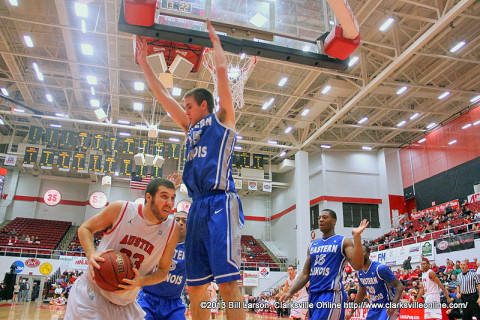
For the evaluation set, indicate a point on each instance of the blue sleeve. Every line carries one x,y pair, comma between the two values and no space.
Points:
385,273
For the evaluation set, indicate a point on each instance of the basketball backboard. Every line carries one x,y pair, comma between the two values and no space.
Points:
279,29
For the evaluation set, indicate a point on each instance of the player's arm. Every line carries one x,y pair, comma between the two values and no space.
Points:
226,114
353,250
434,278
163,266
98,222
301,281
161,92
285,289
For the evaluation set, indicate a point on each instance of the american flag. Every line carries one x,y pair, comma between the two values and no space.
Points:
140,185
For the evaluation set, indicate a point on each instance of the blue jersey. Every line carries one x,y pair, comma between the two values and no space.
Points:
326,264
376,280
209,155
172,287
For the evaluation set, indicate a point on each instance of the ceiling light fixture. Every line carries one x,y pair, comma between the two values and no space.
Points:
28,41
475,99
386,24
282,82
81,10
326,89
267,104
402,90
139,86
272,142
123,121
452,142
443,95
5,92
431,125
174,139
92,80
176,91
87,49
414,116
94,103
401,123
422,140
288,129
125,134
364,119
282,154
137,106
468,125
353,61
49,97
457,47
305,112
84,26
325,146
367,148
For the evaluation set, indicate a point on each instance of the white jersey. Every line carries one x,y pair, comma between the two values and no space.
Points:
429,287
212,291
144,243
302,294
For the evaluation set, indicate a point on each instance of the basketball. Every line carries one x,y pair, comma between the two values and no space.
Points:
116,267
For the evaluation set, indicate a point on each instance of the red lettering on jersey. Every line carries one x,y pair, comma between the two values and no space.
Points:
124,240
138,242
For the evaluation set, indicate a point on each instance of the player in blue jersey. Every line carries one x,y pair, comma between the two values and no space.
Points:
382,286
163,301
326,259
212,244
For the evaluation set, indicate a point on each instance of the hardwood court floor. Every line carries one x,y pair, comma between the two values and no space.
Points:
43,311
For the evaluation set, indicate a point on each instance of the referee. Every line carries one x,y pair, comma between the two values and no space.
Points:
467,290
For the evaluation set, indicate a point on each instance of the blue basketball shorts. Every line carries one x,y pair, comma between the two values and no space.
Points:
158,308
212,244
327,305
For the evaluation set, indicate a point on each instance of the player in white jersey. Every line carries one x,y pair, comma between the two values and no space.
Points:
431,286
298,298
213,296
145,233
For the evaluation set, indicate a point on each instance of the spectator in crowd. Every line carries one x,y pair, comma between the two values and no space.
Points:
456,269
407,264
452,284
472,266
35,291
16,291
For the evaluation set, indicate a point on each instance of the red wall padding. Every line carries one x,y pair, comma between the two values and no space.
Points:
435,155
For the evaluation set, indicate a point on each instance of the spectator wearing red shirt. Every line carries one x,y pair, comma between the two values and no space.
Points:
434,267
472,265
417,271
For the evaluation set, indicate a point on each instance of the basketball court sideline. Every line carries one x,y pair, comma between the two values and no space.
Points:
42,311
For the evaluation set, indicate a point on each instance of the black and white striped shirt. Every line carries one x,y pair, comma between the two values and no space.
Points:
468,282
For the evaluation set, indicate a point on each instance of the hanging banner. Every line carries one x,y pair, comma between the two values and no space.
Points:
238,184
474,198
439,208
455,243
264,272
250,278
267,187
10,160
30,157
252,185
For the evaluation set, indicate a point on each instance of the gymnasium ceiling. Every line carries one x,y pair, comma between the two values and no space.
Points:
413,52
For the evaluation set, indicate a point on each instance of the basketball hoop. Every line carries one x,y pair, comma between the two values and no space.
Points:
239,67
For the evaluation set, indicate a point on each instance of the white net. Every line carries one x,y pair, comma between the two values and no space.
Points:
239,67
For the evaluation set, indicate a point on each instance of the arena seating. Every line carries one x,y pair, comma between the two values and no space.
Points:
254,255
48,232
